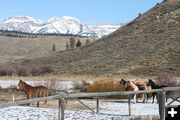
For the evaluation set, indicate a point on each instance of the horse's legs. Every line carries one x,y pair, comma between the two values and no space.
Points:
37,104
45,102
153,94
144,97
134,99
147,97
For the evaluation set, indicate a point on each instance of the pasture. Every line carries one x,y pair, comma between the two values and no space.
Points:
111,108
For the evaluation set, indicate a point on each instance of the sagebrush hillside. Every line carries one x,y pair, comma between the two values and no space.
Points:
150,44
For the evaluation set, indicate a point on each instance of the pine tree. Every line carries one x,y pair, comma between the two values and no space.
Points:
67,46
72,43
53,47
78,44
87,42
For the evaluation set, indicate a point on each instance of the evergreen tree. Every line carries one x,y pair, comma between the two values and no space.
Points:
53,47
87,42
67,46
78,44
72,43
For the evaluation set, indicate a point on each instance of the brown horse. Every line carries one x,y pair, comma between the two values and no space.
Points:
31,92
129,86
142,85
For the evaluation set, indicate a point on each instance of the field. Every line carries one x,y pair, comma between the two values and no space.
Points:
109,110
116,109
14,48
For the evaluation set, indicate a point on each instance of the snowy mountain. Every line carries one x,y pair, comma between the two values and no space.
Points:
59,25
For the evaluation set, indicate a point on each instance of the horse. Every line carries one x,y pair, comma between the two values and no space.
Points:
155,86
129,86
31,92
142,86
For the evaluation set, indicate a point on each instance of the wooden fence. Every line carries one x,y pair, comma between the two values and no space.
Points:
62,97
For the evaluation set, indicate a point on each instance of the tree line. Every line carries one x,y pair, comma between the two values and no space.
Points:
71,44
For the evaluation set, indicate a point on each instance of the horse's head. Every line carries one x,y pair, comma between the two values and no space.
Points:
123,82
20,84
149,82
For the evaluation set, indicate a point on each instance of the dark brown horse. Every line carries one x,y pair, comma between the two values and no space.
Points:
32,92
155,86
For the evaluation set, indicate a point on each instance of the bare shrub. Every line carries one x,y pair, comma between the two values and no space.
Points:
105,85
12,87
6,70
35,71
166,79
46,69
52,82
82,86
23,71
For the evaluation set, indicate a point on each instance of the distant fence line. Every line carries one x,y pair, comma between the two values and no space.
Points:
97,95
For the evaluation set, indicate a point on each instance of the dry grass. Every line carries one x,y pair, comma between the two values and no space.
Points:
20,48
105,85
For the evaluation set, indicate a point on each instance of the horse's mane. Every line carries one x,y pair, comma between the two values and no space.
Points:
27,85
154,85
133,85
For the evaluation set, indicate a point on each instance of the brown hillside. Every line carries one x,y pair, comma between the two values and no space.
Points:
148,45
14,48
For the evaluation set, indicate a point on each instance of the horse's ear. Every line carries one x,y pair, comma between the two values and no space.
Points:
21,80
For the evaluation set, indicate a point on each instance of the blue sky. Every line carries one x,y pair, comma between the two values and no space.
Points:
88,11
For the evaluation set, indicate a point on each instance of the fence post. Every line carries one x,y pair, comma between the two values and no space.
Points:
61,109
129,104
97,105
161,101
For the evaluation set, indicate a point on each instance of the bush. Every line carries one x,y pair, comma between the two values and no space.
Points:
46,69
6,70
166,79
35,71
23,71
105,85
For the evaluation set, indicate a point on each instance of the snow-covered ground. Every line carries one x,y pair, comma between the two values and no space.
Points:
116,109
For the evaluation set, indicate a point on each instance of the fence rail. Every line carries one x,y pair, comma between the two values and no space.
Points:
97,95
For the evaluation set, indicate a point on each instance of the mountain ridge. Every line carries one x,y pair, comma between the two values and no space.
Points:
57,25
